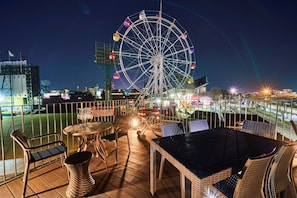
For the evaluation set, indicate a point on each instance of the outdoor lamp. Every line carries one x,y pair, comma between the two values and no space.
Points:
134,122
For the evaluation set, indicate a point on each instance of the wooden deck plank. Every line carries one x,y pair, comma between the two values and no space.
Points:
4,192
16,187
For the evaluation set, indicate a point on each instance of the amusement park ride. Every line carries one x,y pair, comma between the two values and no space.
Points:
155,55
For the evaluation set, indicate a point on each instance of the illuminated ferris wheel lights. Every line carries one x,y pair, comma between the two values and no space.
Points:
116,37
158,15
140,40
127,22
184,35
142,15
190,80
112,55
191,50
116,75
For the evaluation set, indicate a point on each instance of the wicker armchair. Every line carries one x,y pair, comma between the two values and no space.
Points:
260,128
280,176
249,183
171,129
35,150
198,125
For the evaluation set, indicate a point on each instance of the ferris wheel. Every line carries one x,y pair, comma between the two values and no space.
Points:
154,53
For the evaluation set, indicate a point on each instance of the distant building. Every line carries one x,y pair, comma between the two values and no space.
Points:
118,94
191,92
284,91
62,96
200,84
19,83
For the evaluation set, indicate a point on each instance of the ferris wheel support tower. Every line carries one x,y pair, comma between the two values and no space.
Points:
102,58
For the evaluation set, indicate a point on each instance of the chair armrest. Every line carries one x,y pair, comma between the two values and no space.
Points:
43,140
122,128
44,135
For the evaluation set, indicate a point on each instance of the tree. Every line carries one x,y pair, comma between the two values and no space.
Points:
215,93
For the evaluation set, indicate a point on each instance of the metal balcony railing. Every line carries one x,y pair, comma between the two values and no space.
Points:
55,117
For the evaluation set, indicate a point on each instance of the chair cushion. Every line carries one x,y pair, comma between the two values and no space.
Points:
227,185
43,154
111,137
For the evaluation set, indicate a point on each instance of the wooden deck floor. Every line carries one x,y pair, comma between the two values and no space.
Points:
129,178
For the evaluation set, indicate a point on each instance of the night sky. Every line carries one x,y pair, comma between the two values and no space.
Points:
243,43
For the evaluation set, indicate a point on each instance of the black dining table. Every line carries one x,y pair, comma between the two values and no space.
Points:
206,157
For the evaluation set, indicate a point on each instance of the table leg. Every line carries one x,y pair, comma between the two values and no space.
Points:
100,149
83,143
195,192
182,184
153,169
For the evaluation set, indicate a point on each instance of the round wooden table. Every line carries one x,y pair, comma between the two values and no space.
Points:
90,132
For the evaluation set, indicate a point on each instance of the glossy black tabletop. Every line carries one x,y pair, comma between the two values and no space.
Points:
208,152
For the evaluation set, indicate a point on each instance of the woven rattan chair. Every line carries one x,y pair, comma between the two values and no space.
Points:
198,125
260,128
171,129
35,150
280,176
120,129
249,183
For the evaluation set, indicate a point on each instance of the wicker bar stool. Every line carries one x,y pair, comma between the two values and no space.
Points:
81,182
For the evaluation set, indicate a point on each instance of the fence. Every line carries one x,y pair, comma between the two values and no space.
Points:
55,117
